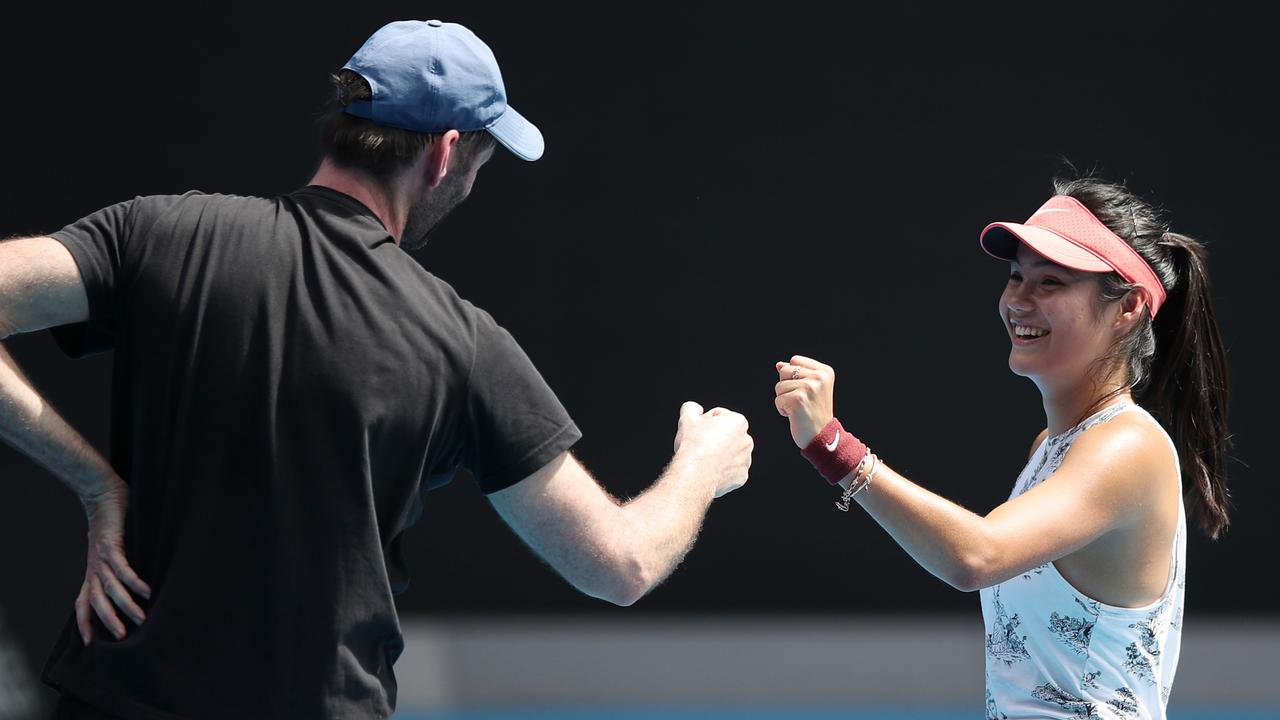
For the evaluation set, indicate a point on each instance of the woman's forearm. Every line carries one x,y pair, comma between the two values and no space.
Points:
946,539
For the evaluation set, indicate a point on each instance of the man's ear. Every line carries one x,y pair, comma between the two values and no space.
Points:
438,155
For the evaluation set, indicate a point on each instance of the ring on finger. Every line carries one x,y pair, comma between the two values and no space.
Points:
795,374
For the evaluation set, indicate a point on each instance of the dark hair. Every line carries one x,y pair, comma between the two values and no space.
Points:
381,151
1176,364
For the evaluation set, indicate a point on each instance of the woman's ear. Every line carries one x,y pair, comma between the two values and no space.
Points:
1133,306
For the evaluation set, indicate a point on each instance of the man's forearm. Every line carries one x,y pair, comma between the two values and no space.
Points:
618,551
663,523
32,426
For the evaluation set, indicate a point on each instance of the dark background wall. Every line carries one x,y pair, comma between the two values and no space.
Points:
723,186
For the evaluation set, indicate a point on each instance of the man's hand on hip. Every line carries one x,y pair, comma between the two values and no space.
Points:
108,578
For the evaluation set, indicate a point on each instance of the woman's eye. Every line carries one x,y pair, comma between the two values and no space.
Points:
1015,277
1051,281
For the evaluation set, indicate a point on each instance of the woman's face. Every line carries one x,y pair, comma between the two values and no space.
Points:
1051,313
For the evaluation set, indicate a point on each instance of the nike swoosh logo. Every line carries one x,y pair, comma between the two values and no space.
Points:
1049,210
834,443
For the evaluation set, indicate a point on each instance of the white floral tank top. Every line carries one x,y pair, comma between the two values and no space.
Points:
1052,652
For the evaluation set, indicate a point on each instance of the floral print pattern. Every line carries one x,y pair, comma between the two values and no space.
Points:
1053,652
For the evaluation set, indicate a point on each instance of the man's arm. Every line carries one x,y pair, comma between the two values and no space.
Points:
40,287
620,551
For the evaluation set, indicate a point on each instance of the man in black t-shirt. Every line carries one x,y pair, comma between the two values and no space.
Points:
287,385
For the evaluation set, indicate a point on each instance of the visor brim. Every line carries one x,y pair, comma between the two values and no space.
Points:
1000,240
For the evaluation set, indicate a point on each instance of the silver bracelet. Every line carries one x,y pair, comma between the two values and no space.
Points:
872,474
858,483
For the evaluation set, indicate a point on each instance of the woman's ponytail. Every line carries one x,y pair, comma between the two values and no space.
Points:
1188,385
1176,364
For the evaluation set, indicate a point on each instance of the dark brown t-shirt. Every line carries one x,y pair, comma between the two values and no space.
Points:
288,383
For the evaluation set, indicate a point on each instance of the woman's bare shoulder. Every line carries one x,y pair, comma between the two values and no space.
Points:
1130,451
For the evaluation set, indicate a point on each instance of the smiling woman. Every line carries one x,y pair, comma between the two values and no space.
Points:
1082,570
1176,367
1043,297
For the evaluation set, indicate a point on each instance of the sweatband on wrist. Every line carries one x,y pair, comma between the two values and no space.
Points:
834,453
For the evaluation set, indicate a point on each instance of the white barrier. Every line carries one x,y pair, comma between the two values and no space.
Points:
486,662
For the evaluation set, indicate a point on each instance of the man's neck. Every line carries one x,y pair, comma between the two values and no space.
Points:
372,195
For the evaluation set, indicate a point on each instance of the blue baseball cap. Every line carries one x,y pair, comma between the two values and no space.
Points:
432,76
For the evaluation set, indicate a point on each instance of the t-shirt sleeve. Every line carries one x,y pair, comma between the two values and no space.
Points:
515,425
97,243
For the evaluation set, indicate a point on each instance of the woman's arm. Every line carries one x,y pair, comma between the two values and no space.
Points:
1104,483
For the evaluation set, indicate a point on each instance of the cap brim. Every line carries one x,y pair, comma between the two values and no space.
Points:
1001,240
518,135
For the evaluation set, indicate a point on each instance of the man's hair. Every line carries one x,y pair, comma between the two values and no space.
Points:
380,151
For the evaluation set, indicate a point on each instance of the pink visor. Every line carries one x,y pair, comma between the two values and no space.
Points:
1065,232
